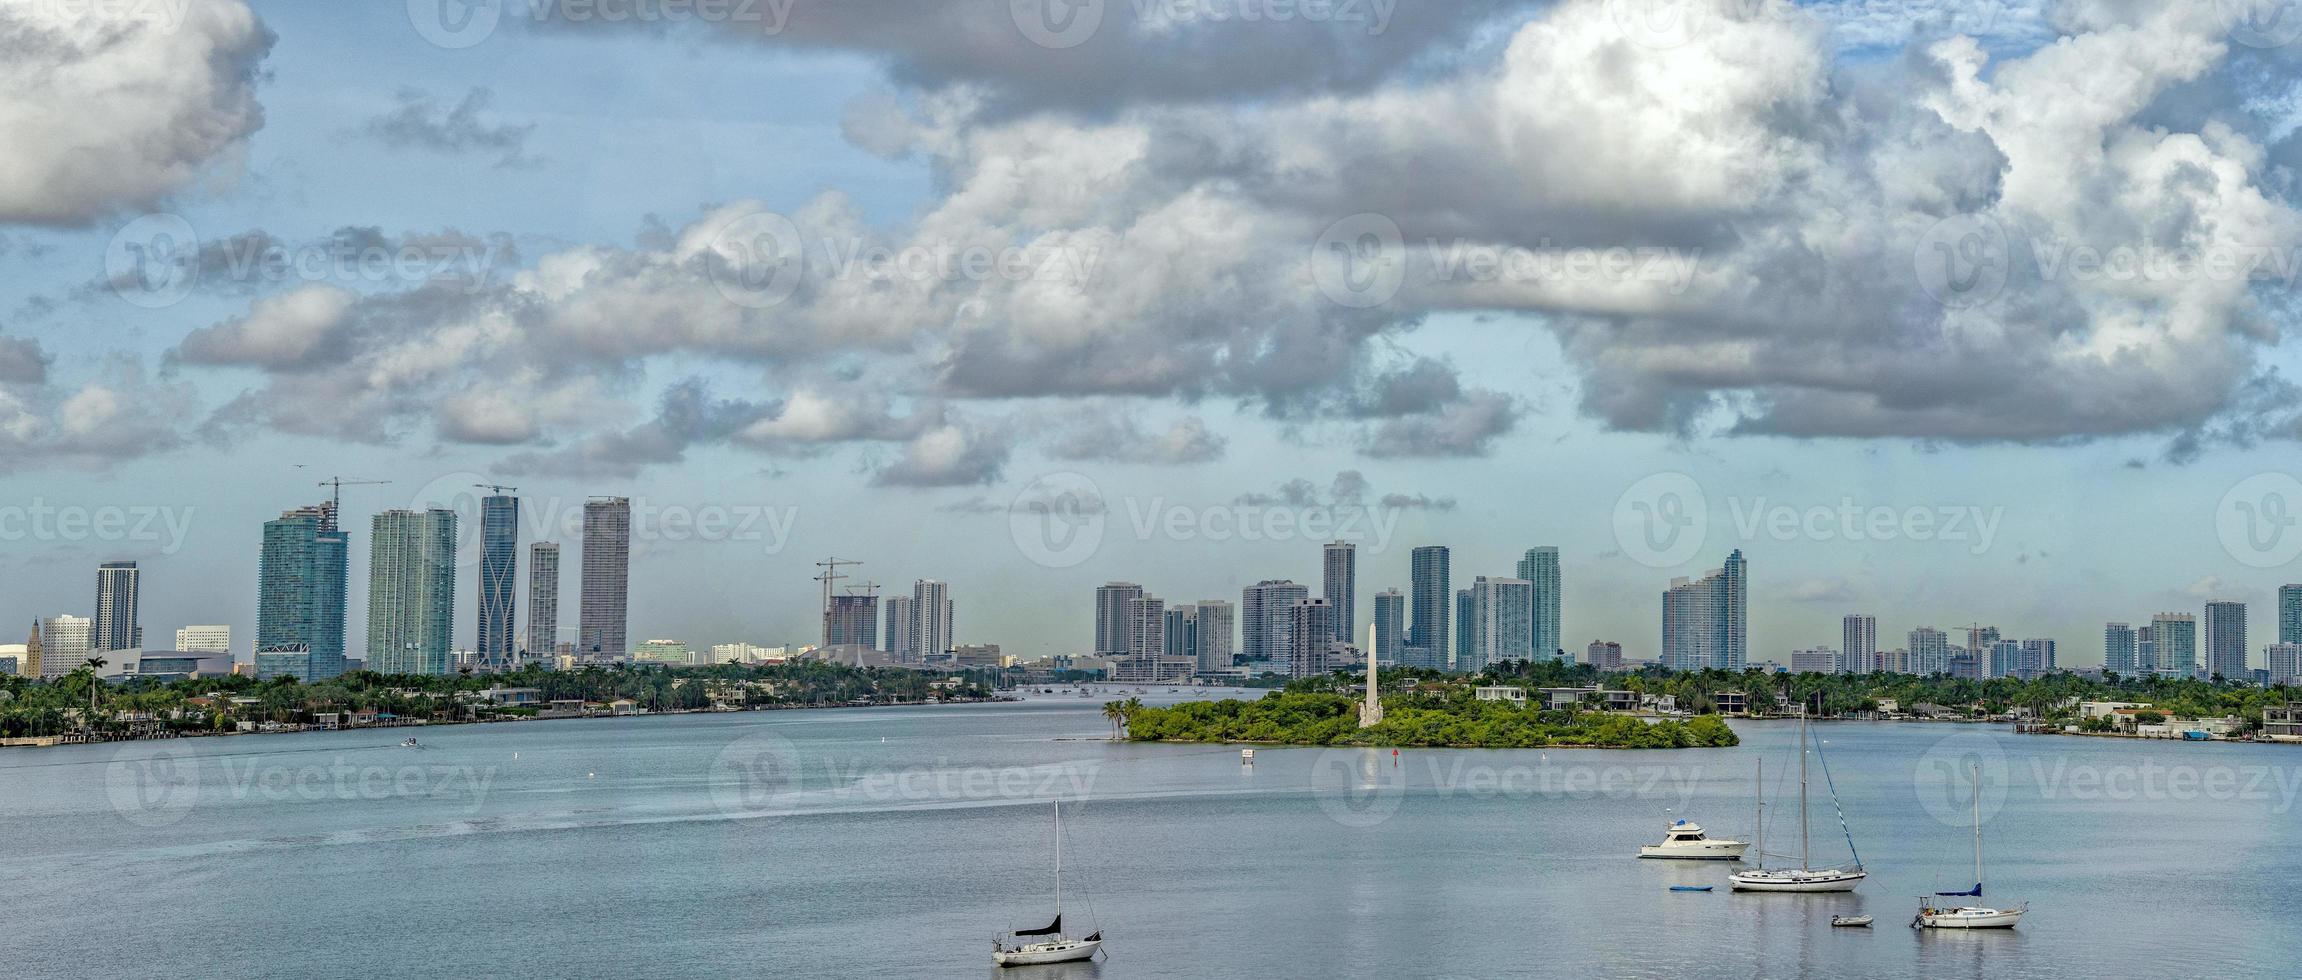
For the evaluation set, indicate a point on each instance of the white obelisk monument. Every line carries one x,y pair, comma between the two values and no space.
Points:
1371,710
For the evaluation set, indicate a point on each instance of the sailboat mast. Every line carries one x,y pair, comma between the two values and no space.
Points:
1977,769
1803,841
1760,796
1058,860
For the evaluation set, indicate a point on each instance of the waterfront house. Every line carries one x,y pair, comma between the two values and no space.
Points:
1518,694
1735,703
2283,723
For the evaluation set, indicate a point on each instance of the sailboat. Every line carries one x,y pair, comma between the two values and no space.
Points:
1806,877
1056,947
1931,916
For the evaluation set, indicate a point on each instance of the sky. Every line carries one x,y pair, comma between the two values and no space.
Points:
1942,312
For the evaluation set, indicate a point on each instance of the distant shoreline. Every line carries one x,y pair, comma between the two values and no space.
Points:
54,741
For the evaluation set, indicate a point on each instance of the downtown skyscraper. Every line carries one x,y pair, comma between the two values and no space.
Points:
1706,620
2226,640
1339,585
931,637
2290,614
901,630
1429,599
1858,643
603,619
117,586
411,591
499,579
543,599
1540,568
1263,622
1218,622
1111,599
300,590
1390,626
1498,629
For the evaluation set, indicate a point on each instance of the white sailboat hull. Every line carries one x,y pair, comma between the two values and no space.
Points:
1794,880
1701,850
1055,951
1974,918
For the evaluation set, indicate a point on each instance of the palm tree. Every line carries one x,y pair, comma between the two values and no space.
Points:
93,664
1114,713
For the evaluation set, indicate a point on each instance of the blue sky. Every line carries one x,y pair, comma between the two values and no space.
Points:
1802,158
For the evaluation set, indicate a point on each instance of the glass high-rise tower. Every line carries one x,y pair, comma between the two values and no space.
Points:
543,598
499,578
117,583
411,591
1540,568
2226,640
1429,595
1339,584
300,589
601,622
1390,626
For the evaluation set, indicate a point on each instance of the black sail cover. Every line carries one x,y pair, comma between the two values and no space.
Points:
1052,928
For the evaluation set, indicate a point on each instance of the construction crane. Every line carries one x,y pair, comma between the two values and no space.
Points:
336,502
498,489
831,575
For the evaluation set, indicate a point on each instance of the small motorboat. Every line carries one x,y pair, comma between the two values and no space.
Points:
1849,921
1684,841
1690,888
410,744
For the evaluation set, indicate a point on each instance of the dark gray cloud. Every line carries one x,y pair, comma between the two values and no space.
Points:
22,361
419,122
686,416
